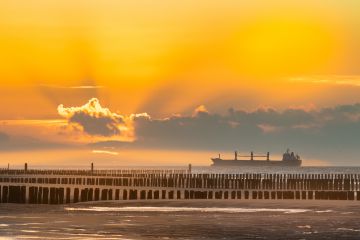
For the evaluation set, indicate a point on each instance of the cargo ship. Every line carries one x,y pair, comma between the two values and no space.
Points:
289,159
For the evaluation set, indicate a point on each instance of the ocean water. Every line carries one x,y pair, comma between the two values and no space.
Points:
194,219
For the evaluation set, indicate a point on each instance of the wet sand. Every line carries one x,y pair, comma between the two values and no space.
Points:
183,220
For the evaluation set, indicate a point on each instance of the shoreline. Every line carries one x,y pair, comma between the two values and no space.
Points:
210,203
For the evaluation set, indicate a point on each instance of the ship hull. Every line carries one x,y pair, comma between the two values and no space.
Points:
259,163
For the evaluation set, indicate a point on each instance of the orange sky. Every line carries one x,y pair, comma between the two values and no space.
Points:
208,49
168,57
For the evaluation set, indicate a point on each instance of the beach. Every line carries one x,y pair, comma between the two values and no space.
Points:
196,219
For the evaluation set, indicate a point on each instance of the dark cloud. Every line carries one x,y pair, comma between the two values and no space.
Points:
328,133
93,118
23,143
331,134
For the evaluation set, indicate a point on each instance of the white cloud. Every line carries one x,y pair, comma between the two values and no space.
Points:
105,152
93,118
200,109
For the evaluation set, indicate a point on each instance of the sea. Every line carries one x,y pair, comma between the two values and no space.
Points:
190,219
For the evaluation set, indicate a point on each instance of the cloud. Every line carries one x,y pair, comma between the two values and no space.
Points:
200,110
329,133
72,87
94,119
21,143
105,152
325,133
66,94
346,80
268,128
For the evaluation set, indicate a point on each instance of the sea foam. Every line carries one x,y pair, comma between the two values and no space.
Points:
186,209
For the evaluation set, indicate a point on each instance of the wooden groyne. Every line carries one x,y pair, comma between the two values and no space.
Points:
72,186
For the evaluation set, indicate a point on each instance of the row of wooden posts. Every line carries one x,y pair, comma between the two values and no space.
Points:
199,181
72,186
66,195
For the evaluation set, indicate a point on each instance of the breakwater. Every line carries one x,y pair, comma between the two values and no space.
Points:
72,186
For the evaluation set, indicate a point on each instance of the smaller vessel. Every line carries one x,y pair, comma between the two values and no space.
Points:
289,160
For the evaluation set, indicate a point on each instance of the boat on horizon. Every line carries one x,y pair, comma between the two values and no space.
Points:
289,159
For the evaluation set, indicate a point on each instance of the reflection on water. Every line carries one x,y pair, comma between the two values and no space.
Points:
188,209
182,220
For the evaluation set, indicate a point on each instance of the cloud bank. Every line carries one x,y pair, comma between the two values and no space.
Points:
326,133
331,133
22,143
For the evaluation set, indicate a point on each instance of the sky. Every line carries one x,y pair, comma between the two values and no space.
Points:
133,82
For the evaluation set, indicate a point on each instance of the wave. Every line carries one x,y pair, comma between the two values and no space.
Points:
348,229
304,226
186,209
